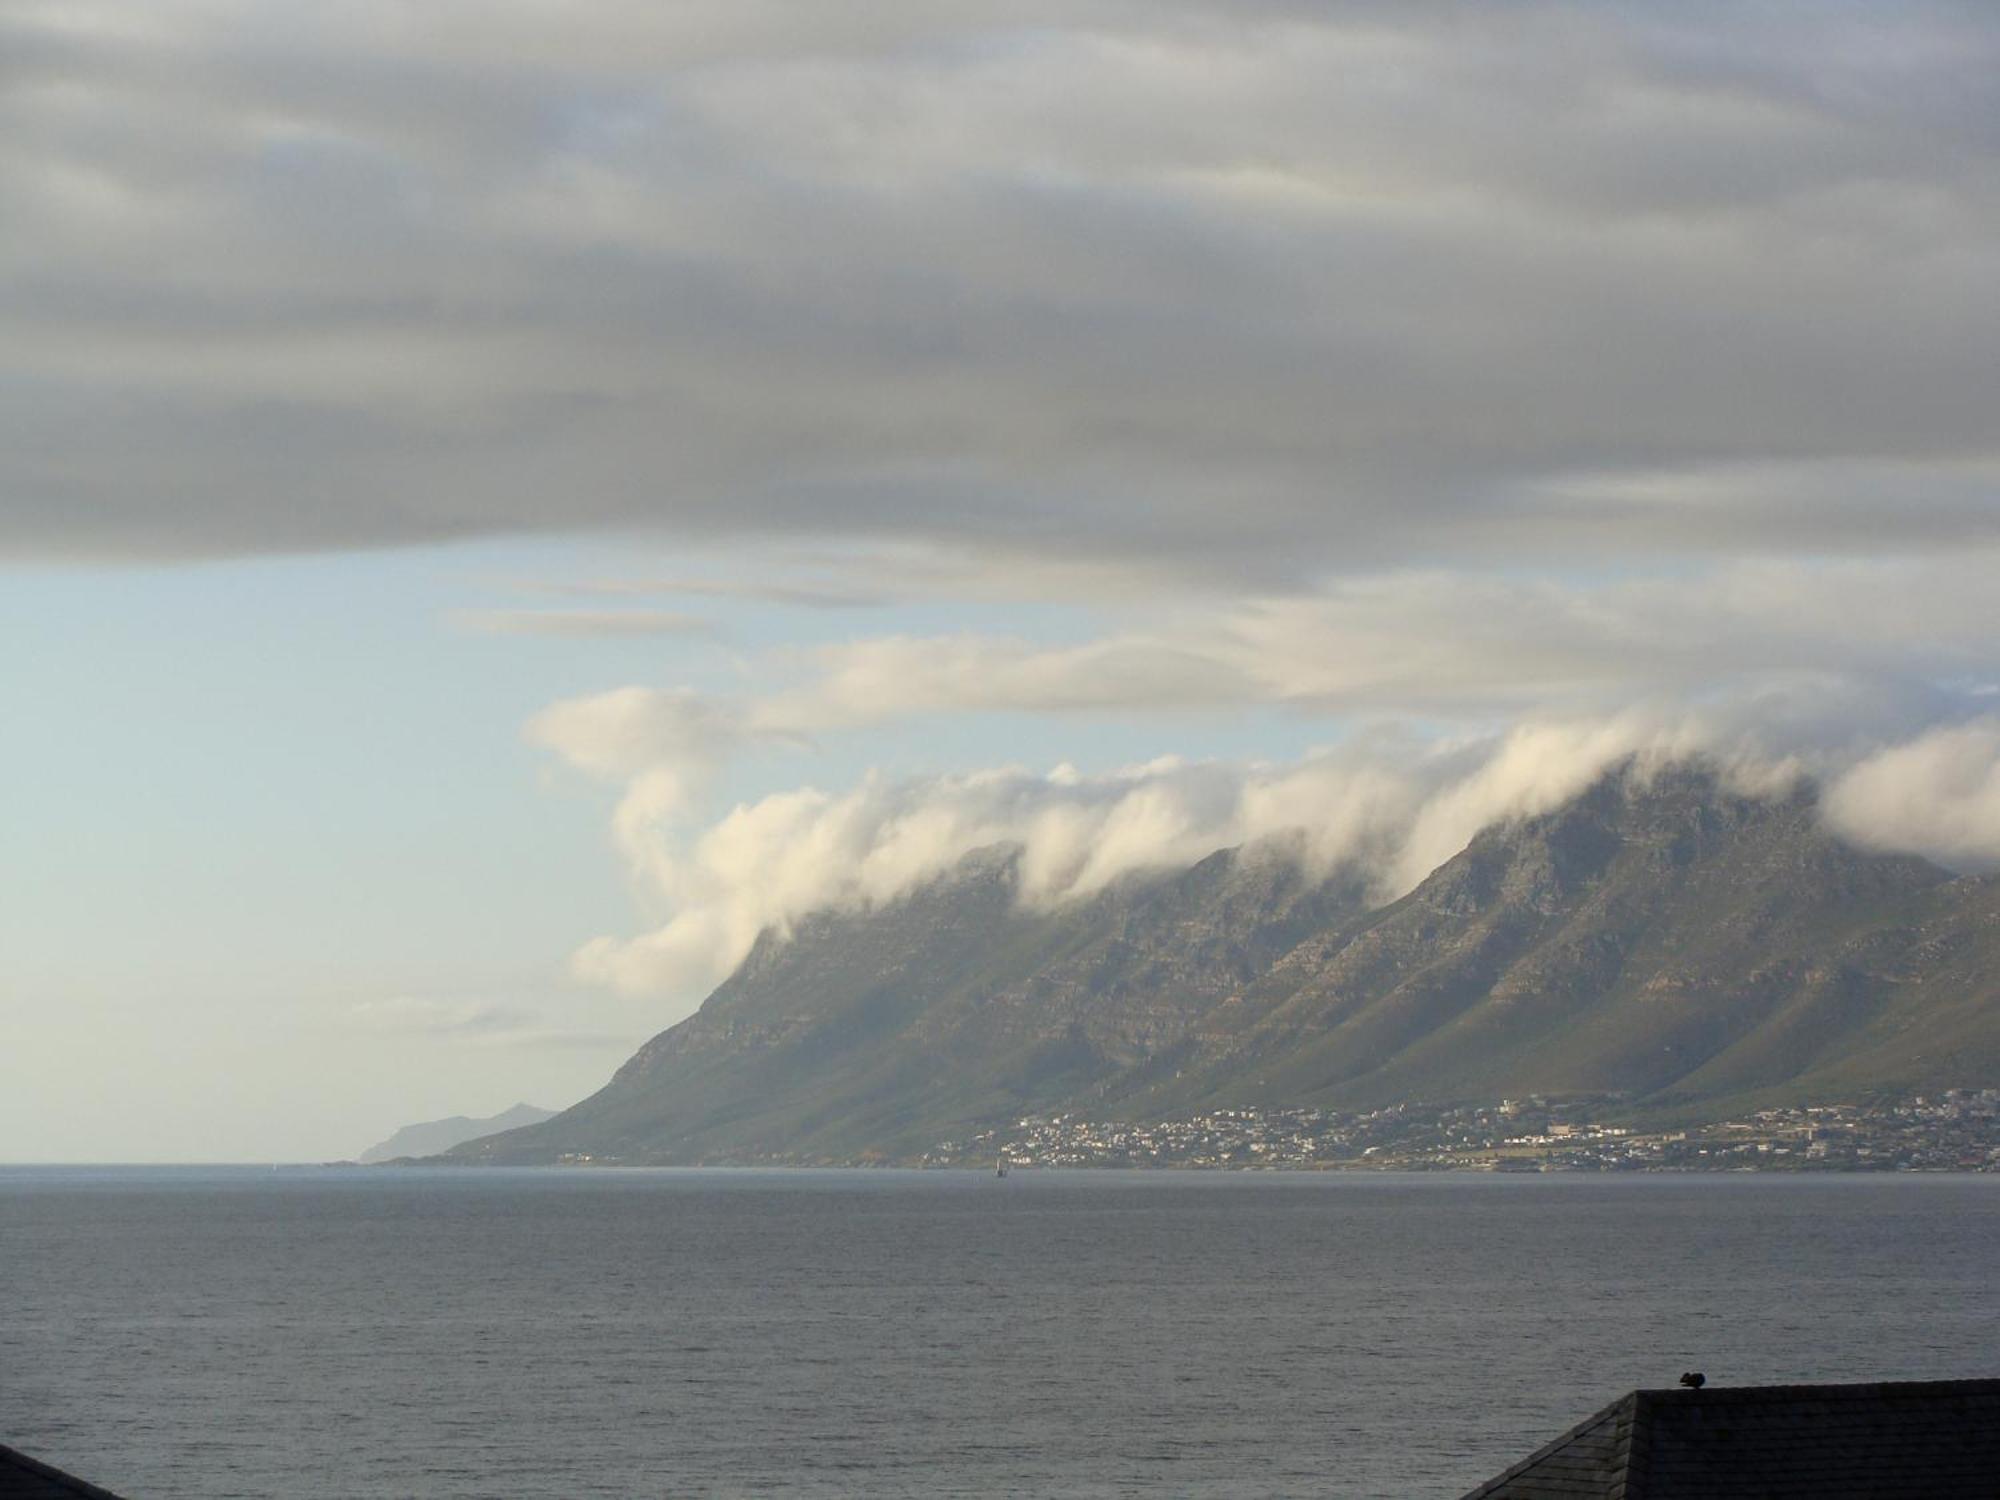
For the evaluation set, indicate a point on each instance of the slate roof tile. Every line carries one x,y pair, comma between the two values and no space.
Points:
1913,1440
25,1478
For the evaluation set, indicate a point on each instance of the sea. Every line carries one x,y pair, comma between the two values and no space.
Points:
322,1332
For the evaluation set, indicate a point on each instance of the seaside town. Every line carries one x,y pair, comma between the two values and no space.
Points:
1958,1131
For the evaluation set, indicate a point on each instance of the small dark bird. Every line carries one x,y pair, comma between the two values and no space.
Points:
1694,1380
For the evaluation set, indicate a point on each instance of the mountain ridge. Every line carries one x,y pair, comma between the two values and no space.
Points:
431,1137
1659,938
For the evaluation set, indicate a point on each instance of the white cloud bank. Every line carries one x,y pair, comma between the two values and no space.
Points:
1388,803
1872,677
1938,794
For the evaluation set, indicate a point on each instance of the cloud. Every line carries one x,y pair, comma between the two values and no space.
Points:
632,730
1938,795
666,746
760,591
1453,645
1457,642
1769,669
473,1023
1257,293
1390,805
767,863
583,623
891,677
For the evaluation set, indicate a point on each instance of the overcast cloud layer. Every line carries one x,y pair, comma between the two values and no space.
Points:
1252,290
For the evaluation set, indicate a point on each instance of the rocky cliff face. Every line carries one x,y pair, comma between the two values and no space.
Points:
1658,938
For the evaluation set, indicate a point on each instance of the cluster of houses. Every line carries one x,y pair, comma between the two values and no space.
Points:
1958,1130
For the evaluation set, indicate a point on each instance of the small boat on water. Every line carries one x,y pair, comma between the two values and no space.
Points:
1000,1170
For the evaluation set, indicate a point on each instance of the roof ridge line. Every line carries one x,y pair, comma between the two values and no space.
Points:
1561,1441
1836,1390
15,1458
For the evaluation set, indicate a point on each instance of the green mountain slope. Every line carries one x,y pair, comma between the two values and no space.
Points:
1665,941
1660,939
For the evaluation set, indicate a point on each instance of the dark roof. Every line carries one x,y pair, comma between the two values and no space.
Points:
25,1478
1911,1440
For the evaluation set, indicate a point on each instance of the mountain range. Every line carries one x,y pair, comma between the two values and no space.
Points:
1679,947
434,1136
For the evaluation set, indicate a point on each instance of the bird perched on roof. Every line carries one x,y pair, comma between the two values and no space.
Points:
1694,1380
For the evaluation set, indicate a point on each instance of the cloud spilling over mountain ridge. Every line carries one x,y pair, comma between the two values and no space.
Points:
1393,804
1657,939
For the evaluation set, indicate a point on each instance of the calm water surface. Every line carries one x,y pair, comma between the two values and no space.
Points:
220,1332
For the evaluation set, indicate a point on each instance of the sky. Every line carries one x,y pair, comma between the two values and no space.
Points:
500,503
